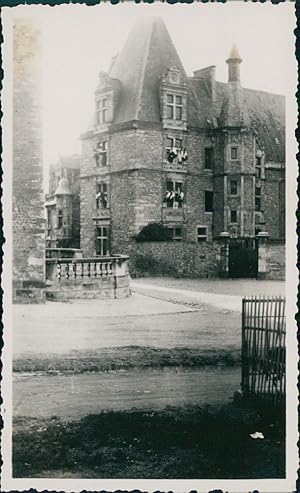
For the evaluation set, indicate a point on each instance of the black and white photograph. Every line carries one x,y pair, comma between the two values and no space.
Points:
149,277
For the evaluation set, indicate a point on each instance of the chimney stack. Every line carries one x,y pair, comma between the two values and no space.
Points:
234,62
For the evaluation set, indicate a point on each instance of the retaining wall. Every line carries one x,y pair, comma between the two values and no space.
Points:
178,259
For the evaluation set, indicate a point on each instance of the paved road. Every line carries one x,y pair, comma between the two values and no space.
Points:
75,396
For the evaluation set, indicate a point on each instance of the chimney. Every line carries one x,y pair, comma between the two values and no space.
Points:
234,62
208,74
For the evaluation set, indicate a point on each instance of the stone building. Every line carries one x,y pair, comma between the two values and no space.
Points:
200,156
63,204
27,178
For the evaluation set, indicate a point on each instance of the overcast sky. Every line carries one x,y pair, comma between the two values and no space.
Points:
79,41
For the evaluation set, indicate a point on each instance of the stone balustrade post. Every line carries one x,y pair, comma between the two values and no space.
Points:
262,239
223,240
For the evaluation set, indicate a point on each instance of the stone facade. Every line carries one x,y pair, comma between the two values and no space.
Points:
28,201
176,259
189,152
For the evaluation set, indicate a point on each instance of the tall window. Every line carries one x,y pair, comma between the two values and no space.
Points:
208,158
101,196
174,194
48,222
209,201
174,107
257,198
233,216
233,187
258,167
102,240
101,154
60,218
101,109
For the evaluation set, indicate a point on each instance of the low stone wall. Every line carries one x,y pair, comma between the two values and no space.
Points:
28,292
275,260
94,278
176,259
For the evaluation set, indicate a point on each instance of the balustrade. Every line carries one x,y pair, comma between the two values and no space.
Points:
84,268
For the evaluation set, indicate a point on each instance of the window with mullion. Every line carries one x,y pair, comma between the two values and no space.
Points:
175,191
174,107
101,106
102,240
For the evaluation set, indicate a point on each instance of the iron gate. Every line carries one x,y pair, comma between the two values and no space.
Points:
263,348
243,257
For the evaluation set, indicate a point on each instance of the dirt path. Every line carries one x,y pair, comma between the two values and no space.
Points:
225,287
230,303
75,396
205,328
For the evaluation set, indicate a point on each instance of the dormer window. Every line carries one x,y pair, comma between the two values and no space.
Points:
102,110
174,107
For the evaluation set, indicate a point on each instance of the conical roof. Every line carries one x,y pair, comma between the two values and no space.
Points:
234,53
148,53
63,187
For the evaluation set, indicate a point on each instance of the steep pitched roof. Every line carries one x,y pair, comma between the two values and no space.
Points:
147,54
266,113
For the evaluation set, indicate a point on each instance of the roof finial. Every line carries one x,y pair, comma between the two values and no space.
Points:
234,53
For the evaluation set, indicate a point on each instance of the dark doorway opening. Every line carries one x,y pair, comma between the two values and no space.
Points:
243,257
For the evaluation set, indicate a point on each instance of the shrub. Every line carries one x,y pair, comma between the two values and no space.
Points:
154,232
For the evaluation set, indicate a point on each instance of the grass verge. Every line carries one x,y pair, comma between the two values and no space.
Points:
126,358
175,443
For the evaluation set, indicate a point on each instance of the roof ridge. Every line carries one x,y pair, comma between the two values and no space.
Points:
142,73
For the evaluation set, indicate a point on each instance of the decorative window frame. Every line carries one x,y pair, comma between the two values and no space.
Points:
174,86
230,188
101,110
237,147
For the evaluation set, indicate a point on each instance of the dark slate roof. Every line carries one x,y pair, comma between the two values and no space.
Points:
266,113
148,53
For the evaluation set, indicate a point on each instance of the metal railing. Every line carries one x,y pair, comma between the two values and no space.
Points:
263,348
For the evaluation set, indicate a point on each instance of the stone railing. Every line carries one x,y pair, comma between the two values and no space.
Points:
96,277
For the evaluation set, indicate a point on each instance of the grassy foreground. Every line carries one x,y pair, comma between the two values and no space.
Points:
174,443
127,357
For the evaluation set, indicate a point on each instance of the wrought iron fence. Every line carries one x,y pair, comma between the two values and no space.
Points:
263,348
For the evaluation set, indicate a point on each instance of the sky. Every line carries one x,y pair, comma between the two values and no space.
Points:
79,41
